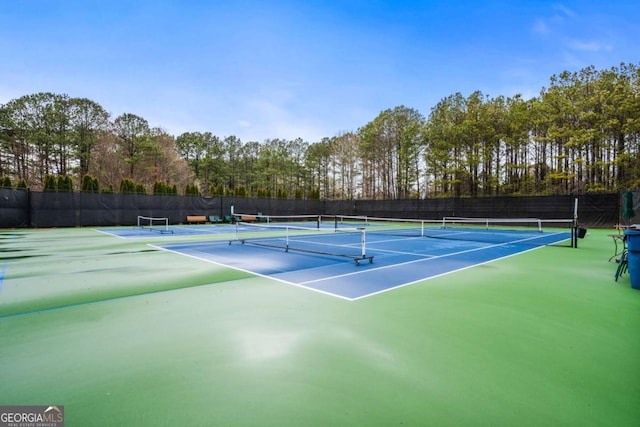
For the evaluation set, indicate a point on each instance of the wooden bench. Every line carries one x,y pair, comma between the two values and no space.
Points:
248,218
196,219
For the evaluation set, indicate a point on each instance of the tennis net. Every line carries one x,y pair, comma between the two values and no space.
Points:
530,231
160,225
343,243
306,220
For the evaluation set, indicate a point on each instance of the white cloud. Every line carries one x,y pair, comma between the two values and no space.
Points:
275,119
540,26
552,23
589,46
565,10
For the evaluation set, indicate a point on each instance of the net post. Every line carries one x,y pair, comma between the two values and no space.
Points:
287,239
574,230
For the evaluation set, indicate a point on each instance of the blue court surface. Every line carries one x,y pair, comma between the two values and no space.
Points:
353,265
133,232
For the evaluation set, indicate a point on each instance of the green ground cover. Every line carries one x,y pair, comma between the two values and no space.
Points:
123,334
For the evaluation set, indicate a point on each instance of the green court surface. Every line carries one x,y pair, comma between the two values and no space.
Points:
121,333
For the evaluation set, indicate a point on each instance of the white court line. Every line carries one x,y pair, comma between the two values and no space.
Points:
302,284
424,259
252,272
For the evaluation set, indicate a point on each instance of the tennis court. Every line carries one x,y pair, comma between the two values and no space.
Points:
339,260
164,329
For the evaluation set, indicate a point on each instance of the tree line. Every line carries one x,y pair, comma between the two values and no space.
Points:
580,135
47,135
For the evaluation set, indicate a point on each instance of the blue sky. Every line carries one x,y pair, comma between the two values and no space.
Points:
300,68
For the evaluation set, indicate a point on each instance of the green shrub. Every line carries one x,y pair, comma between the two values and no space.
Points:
160,187
191,190
216,190
65,183
89,184
127,186
50,183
